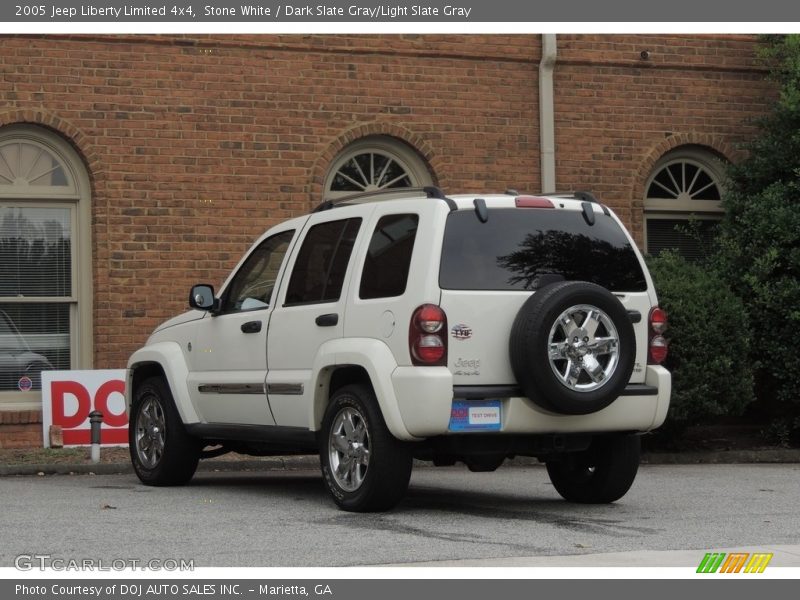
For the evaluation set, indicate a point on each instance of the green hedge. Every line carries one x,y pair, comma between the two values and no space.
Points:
759,243
709,342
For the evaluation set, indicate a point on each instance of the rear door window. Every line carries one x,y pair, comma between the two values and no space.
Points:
321,265
524,249
388,259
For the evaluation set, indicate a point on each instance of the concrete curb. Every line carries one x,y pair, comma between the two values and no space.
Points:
290,463
783,556
311,462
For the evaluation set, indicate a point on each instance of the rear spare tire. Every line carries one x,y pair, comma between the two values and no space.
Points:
572,347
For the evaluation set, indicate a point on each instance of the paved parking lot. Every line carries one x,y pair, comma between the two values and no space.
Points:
284,518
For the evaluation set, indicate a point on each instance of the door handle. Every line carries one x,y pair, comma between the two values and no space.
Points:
328,320
251,327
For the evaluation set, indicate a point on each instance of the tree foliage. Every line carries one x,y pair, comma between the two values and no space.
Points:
759,242
709,342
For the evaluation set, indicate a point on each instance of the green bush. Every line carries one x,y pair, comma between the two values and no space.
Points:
709,342
760,253
759,242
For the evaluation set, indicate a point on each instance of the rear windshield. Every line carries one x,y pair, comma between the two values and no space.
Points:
524,249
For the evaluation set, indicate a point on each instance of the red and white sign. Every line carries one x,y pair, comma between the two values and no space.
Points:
69,396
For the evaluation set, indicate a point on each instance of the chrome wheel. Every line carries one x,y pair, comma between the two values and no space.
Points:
349,449
150,433
583,348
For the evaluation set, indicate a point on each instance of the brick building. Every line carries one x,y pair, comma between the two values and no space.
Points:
132,167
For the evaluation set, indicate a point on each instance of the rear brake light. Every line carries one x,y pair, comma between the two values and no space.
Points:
533,202
427,336
658,346
658,320
430,318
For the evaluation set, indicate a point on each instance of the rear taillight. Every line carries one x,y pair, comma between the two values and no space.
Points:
658,346
427,336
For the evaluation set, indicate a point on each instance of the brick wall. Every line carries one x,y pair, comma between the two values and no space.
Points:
197,144
617,113
20,429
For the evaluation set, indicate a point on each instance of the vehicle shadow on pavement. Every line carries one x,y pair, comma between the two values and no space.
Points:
264,479
276,485
436,501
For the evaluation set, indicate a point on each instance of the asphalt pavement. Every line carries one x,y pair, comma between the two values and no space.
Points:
283,518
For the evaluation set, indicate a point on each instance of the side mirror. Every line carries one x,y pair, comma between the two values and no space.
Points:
202,297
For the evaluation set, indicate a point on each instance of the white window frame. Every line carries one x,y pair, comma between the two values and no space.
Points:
77,197
403,154
683,207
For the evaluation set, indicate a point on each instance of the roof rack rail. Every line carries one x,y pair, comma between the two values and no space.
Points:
577,194
429,191
581,195
585,196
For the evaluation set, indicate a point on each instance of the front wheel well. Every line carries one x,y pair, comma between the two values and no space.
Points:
145,371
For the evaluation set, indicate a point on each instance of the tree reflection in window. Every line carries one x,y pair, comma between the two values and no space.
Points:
524,249
575,257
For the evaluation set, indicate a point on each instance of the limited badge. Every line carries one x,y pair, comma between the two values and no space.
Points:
461,331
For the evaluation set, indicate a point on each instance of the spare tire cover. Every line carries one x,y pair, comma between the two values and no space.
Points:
572,347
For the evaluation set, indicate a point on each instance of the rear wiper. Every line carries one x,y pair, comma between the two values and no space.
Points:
480,209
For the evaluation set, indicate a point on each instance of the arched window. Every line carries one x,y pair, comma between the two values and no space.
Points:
45,254
685,186
375,163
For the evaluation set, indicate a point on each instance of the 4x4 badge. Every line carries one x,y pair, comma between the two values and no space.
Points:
461,331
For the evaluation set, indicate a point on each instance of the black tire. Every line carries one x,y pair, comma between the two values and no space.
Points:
601,474
530,348
382,482
155,424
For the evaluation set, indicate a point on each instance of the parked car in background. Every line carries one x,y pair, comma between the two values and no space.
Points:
20,367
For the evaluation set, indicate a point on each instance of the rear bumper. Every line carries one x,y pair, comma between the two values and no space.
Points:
480,392
425,398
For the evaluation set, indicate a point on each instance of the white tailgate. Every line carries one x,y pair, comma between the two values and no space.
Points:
480,322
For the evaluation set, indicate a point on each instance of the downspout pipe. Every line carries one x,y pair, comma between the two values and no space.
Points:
547,128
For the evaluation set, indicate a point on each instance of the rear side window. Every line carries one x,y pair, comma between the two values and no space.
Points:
388,258
318,274
523,249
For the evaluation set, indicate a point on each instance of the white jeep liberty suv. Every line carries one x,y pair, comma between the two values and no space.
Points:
407,324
